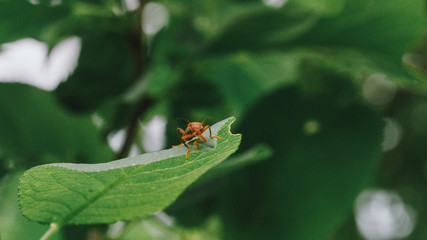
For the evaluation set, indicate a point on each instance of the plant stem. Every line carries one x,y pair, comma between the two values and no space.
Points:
54,227
139,49
144,104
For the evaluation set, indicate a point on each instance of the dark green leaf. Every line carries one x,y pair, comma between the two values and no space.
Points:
33,125
21,19
105,68
326,146
262,29
244,78
389,27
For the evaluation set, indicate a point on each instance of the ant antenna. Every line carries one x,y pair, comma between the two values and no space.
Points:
205,119
184,119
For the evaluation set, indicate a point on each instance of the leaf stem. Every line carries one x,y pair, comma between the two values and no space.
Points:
54,227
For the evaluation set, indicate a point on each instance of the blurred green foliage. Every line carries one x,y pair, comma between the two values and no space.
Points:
294,76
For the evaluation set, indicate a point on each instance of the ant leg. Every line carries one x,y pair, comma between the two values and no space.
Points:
210,133
179,130
188,148
195,144
199,141
175,146
188,151
203,139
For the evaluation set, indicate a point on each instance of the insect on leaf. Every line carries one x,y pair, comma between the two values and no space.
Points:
119,190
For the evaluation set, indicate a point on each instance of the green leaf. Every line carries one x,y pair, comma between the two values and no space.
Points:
326,145
388,27
360,64
239,74
368,36
119,190
261,29
34,126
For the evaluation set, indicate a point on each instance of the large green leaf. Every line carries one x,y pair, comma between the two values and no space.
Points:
33,126
119,190
326,145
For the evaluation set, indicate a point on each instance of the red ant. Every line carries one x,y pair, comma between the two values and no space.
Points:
194,129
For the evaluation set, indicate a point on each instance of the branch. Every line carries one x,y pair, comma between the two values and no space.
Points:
144,104
139,48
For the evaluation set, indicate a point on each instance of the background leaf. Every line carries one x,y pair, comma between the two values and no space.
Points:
261,29
326,146
21,19
385,27
98,76
237,76
34,126
119,190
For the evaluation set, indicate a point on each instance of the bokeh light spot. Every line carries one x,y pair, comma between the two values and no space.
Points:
382,215
311,126
154,17
154,134
378,90
275,3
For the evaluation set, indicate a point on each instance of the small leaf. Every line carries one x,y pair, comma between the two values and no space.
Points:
119,190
